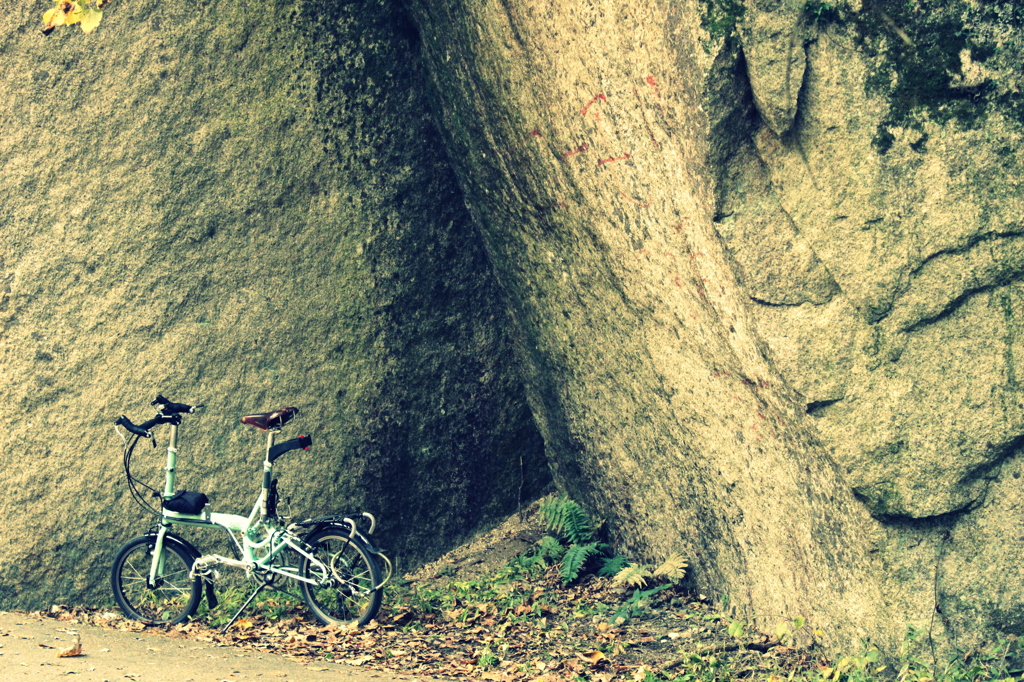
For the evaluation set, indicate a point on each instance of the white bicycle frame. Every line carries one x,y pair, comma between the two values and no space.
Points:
274,540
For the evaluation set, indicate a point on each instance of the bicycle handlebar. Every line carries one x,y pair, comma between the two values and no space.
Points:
141,431
170,413
167,407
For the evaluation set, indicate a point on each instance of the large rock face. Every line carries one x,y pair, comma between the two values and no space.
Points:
248,210
721,230
864,162
886,275
873,204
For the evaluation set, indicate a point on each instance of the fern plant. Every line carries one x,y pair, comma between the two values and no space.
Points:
566,518
577,536
550,548
611,566
576,558
669,572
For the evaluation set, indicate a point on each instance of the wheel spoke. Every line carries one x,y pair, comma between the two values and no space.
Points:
175,595
346,593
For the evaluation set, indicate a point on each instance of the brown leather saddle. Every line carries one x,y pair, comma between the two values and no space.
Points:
271,420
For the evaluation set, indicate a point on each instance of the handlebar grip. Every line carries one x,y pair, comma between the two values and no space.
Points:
167,407
140,431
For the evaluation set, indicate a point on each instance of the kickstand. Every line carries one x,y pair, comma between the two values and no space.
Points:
263,586
248,601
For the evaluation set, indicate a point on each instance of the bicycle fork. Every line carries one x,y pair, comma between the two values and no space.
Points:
156,567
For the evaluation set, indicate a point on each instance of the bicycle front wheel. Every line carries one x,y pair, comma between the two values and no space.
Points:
346,579
171,598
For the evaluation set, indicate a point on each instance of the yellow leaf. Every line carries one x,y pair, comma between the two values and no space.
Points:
593,657
90,20
73,12
53,17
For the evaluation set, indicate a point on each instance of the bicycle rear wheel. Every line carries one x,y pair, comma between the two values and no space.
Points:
347,593
171,599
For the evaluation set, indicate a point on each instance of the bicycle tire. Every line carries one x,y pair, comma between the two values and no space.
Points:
174,597
349,594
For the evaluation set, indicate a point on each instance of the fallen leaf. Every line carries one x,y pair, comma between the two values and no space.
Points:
641,673
74,650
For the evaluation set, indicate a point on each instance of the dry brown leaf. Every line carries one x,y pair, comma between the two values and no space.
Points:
640,673
74,650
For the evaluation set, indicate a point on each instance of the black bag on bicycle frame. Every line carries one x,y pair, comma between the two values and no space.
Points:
186,502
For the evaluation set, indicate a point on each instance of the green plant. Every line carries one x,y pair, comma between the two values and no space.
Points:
786,630
670,572
576,557
576,544
487,658
859,668
985,664
567,519
550,549
612,566
635,605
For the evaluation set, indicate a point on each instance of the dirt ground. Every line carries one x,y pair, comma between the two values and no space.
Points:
30,644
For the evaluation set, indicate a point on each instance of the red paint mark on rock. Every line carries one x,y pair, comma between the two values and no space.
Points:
634,200
598,97
614,159
573,152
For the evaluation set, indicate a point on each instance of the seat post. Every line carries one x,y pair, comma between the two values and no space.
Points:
268,466
172,462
